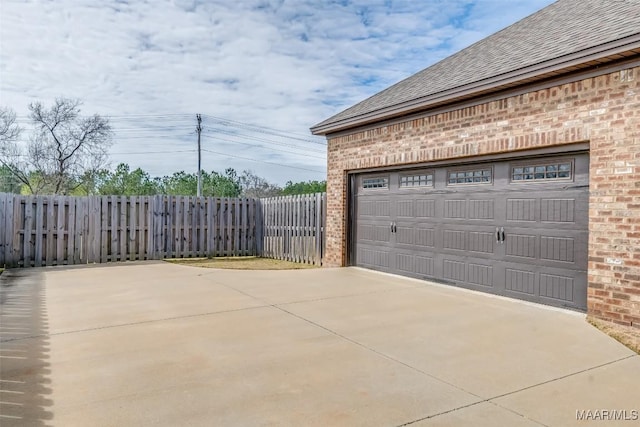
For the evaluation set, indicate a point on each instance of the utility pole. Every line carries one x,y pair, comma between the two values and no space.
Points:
199,130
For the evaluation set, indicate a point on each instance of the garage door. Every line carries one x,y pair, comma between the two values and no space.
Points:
516,228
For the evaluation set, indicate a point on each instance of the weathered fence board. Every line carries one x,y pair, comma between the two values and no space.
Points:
292,228
60,230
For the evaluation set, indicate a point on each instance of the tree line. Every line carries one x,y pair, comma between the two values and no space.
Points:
66,153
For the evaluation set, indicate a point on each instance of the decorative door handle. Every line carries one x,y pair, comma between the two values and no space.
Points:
501,235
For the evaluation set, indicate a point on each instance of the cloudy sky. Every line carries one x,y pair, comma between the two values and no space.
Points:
260,72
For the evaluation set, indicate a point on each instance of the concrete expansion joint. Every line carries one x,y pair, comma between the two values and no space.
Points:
357,294
572,374
141,322
378,353
352,341
469,406
491,399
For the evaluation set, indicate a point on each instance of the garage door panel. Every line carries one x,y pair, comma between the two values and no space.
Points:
557,248
557,287
519,209
425,208
454,270
557,210
481,209
520,280
405,235
421,265
373,257
545,247
522,245
481,241
374,233
420,235
455,209
425,236
405,208
454,239
374,208
472,275
551,285
481,274
521,231
425,265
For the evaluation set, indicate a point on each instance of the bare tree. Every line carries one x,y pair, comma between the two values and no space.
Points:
9,129
9,134
63,147
256,186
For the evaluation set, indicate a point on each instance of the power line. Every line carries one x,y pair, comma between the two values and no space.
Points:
262,161
262,129
184,117
154,152
223,120
262,146
251,125
171,137
150,129
269,141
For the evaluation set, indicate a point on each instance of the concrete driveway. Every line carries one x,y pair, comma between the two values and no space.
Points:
161,344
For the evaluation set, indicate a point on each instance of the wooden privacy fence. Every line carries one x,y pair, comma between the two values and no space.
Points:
293,227
61,230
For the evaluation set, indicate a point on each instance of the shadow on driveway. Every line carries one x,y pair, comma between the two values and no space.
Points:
24,350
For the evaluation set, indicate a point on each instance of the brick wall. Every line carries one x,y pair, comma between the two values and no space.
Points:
604,110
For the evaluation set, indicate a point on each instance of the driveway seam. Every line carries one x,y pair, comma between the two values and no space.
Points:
141,322
565,376
469,406
375,351
383,355
340,296
491,399
278,307
390,358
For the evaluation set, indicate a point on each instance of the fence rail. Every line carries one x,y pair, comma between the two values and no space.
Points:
60,230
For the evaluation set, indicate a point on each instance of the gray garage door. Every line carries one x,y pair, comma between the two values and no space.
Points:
516,228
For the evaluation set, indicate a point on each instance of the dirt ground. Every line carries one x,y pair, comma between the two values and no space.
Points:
627,335
241,263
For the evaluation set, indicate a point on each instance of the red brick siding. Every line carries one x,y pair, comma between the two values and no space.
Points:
604,110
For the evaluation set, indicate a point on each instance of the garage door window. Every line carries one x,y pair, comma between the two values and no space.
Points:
476,176
541,172
377,182
418,180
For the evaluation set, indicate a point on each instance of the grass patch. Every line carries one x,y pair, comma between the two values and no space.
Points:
627,335
241,263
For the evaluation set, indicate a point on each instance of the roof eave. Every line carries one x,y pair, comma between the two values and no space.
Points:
578,60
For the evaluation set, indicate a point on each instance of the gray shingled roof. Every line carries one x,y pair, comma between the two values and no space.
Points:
562,28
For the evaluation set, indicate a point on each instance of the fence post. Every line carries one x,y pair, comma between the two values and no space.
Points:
3,227
71,232
104,229
259,227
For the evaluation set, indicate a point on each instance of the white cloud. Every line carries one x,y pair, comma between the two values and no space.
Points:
281,64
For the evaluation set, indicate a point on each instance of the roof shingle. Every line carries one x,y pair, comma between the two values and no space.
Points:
562,28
